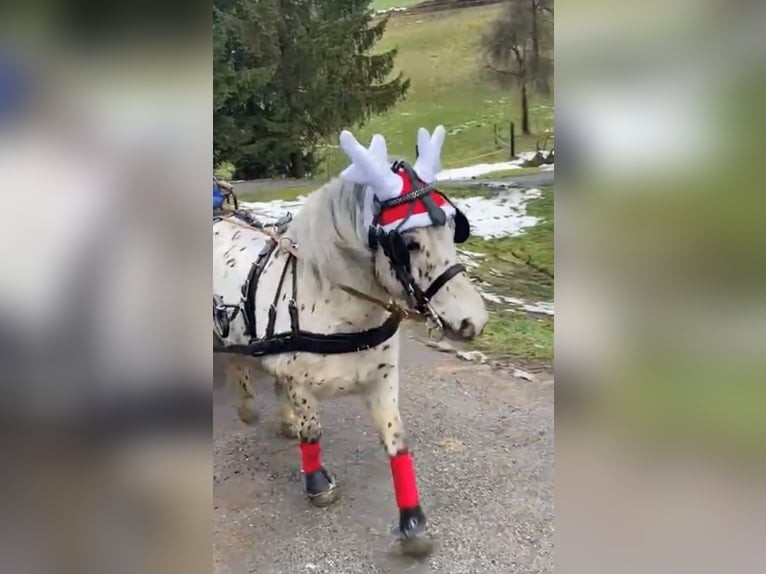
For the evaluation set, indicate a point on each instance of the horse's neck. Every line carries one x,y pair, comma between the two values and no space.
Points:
331,309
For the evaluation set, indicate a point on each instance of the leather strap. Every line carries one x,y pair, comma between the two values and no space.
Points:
439,282
327,344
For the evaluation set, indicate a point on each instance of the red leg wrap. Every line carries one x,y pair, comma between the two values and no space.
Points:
403,473
310,459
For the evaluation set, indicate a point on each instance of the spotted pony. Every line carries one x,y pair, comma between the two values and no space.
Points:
320,308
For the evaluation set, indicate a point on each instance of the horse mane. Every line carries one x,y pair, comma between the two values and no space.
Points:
331,236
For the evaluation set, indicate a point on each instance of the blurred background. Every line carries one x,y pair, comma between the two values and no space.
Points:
661,324
105,158
105,403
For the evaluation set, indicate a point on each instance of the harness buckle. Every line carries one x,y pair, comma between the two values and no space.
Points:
287,244
434,325
292,308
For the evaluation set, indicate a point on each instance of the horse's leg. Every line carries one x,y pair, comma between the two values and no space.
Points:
288,419
320,485
382,397
238,374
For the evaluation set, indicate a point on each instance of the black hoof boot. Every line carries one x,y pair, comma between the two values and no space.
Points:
320,487
412,532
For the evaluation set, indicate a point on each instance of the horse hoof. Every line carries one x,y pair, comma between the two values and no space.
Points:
418,546
325,498
287,430
247,415
414,538
321,488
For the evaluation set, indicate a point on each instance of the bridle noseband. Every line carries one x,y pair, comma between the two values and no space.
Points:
394,247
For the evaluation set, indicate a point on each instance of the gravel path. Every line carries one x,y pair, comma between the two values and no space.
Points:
483,447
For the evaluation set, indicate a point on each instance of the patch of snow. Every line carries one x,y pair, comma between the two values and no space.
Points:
542,307
520,374
472,356
476,170
499,216
468,258
472,254
270,211
491,297
390,10
502,215
472,171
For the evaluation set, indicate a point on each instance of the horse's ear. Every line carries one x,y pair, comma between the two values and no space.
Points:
428,163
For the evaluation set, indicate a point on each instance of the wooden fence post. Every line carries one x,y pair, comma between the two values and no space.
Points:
513,142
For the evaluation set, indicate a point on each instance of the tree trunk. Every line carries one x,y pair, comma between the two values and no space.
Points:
524,108
539,78
298,165
535,42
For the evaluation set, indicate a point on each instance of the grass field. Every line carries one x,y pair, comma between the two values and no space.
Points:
385,4
511,173
440,53
512,333
285,193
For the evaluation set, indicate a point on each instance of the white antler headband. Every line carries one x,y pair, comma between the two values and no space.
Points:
370,166
428,163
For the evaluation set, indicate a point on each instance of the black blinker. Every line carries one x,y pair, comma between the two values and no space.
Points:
399,252
372,237
394,247
462,227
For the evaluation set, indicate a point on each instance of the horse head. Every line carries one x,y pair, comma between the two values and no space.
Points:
413,229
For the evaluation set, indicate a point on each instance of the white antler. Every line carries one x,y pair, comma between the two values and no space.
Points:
428,163
370,166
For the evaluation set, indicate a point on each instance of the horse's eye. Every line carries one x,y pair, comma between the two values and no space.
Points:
413,246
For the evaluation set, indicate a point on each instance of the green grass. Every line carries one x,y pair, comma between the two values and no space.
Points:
519,337
440,53
511,173
385,4
514,333
512,275
285,193
224,171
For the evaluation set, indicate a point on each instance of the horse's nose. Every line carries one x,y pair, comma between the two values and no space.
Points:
467,329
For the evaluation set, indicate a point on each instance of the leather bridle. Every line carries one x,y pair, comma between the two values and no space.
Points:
395,249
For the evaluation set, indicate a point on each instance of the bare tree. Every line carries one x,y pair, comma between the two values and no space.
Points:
517,46
541,29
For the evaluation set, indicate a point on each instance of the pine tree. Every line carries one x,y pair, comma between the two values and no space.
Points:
289,73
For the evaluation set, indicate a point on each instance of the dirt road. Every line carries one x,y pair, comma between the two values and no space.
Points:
483,448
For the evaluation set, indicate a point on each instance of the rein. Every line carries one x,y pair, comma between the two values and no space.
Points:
391,306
